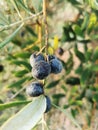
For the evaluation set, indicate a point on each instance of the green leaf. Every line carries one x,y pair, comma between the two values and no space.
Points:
73,80
95,97
85,21
52,84
30,30
60,95
17,42
74,2
18,83
23,55
89,54
85,76
94,4
3,18
7,40
28,117
79,69
95,55
78,30
79,54
20,73
37,4
20,2
24,63
12,104
68,34
94,68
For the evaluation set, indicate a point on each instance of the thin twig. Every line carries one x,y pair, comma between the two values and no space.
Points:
46,25
17,93
21,21
41,50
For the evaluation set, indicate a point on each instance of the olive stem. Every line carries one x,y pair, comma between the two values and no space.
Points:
45,24
41,50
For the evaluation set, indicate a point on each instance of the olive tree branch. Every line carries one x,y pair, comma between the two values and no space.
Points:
45,23
21,21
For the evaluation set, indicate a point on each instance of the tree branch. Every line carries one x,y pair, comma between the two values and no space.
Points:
21,21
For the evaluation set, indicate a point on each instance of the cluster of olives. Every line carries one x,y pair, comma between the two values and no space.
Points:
41,68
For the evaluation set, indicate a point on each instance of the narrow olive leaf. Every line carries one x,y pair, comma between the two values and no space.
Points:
18,83
78,30
8,39
21,62
52,84
60,95
37,4
89,54
86,73
21,73
31,31
69,115
20,2
12,104
79,54
85,21
95,54
23,55
28,117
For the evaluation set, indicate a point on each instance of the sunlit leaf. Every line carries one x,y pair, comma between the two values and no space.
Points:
94,68
28,117
78,31
94,4
50,50
56,42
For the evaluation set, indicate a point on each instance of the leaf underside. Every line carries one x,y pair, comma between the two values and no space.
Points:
28,117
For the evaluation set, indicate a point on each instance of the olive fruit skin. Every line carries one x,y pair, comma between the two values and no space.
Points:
41,70
60,51
35,89
48,104
51,57
35,58
55,63
56,66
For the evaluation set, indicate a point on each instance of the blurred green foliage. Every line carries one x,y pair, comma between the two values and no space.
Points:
19,35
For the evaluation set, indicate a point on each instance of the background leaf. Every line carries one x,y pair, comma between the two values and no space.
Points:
7,40
12,104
